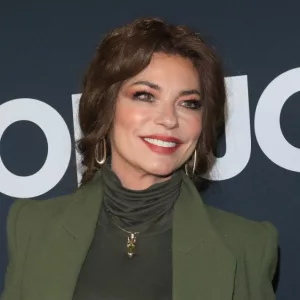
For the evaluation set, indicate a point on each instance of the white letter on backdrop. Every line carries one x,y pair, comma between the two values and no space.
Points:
237,131
59,147
267,120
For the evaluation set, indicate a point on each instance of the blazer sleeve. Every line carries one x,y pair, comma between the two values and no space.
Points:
269,262
17,239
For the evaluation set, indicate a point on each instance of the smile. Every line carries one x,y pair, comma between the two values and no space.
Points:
160,143
164,145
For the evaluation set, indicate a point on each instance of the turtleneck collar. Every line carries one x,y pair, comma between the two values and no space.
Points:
139,208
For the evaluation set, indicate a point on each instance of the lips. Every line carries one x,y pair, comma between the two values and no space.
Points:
162,144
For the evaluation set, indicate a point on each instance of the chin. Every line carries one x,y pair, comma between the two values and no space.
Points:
161,171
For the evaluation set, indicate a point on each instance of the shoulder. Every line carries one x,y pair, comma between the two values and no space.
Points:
256,243
239,227
236,229
33,210
27,215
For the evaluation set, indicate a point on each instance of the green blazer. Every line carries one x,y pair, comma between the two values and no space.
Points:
216,255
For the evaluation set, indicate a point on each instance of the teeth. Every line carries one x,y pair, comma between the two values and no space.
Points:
160,143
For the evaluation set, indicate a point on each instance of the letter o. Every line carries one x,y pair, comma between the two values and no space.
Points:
59,147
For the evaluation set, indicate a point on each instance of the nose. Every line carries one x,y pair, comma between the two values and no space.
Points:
167,117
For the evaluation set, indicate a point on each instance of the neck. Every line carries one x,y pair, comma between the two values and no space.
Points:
134,178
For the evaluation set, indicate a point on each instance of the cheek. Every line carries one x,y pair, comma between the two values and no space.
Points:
128,117
193,126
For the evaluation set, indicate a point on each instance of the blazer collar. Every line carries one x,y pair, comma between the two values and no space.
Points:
81,217
203,266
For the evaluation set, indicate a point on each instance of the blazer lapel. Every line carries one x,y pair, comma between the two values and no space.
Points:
203,267
59,258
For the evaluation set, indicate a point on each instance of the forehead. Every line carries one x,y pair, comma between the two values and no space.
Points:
169,71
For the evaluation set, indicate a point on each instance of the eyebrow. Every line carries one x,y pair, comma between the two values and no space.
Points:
158,88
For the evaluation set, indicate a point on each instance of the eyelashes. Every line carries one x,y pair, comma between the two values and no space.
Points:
145,96
192,104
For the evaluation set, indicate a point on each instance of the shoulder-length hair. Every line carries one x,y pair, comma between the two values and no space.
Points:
122,54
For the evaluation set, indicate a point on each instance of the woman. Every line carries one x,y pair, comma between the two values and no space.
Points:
152,103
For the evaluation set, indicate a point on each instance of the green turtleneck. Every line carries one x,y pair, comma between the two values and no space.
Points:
108,273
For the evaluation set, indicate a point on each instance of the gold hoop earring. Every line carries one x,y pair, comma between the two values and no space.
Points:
103,152
194,165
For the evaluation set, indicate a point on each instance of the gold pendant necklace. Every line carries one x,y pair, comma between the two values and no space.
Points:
131,239
131,245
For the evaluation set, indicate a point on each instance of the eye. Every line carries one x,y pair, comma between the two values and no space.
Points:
192,104
143,96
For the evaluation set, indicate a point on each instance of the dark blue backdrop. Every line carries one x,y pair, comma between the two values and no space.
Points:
45,48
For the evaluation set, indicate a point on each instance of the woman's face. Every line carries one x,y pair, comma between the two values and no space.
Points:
158,118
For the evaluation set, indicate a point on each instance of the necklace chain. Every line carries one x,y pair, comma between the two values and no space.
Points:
124,230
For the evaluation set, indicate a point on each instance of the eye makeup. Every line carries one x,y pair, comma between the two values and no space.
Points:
192,104
143,96
146,96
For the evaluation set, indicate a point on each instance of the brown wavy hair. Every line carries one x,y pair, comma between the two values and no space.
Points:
122,54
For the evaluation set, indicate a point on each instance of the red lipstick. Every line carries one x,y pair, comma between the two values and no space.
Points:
160,149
